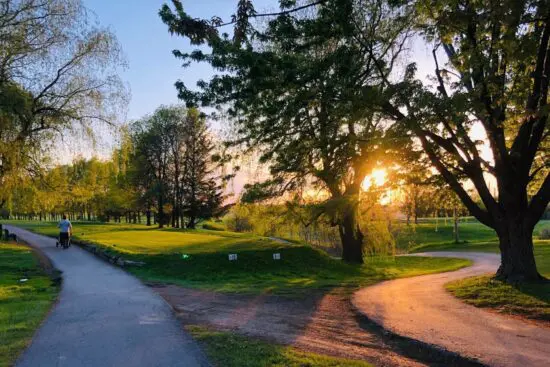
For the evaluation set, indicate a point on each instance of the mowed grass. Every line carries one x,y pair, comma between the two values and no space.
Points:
23,305
199,259
230,350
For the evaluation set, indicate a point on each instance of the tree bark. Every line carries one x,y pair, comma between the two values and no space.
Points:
352,239
516,252
455,227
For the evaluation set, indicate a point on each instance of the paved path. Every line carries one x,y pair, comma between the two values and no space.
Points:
105,317
421,309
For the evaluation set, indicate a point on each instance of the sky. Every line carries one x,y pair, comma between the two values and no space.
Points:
152,69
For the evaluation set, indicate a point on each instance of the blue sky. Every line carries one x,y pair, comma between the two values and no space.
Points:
152,69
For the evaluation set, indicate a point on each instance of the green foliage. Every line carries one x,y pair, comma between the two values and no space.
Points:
301,90
23,306
175,165
57,72
231,350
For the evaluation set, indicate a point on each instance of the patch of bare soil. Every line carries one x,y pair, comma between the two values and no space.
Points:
321,323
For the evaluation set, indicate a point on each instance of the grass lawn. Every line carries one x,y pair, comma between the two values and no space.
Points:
206,265
23,305
231,350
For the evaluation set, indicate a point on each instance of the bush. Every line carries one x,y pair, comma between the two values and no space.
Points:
213,226
545,234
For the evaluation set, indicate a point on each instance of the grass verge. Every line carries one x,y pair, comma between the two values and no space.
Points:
231,350
23,305
527,300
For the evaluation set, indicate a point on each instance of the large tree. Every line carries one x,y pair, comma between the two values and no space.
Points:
201,190
57,71
300,89
492,61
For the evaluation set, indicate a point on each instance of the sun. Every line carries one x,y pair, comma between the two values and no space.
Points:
377,178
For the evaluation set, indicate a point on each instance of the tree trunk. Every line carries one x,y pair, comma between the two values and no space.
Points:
517,260
455,228
191,224
352,239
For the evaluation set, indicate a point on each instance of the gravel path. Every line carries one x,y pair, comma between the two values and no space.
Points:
105,317
420,308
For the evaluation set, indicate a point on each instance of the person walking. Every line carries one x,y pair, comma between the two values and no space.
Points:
65,230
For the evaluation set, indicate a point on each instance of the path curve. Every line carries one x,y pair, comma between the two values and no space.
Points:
104,317
420,308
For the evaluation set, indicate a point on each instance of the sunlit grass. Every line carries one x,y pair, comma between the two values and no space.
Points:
231,350
23,305
162,242
423,236
207,265
529,300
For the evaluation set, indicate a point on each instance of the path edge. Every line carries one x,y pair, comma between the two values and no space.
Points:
57,278
414,348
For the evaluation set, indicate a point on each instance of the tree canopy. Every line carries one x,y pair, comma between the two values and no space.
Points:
304,84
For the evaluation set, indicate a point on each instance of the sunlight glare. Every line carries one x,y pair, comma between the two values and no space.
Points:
377,178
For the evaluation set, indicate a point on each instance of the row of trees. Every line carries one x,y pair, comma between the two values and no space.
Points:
325,91
164,169
176,167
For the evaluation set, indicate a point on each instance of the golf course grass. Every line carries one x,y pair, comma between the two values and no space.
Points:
199,259
23,304
232,350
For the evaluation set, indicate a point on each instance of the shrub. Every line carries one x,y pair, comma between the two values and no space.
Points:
213,226
545,234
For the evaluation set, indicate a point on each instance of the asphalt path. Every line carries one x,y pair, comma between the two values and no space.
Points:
421,308
104,317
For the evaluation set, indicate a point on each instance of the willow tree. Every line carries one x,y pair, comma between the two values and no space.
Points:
492,61
300,89
57,71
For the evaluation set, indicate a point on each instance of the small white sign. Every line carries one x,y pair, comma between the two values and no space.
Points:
277,256
232,257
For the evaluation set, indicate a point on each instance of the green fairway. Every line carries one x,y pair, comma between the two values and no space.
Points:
23,305
474,236
207,266
230,350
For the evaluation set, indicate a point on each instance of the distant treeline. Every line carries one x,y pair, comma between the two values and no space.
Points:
164,172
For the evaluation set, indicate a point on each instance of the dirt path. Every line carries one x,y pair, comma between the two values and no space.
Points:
420,308
323,323
104,317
